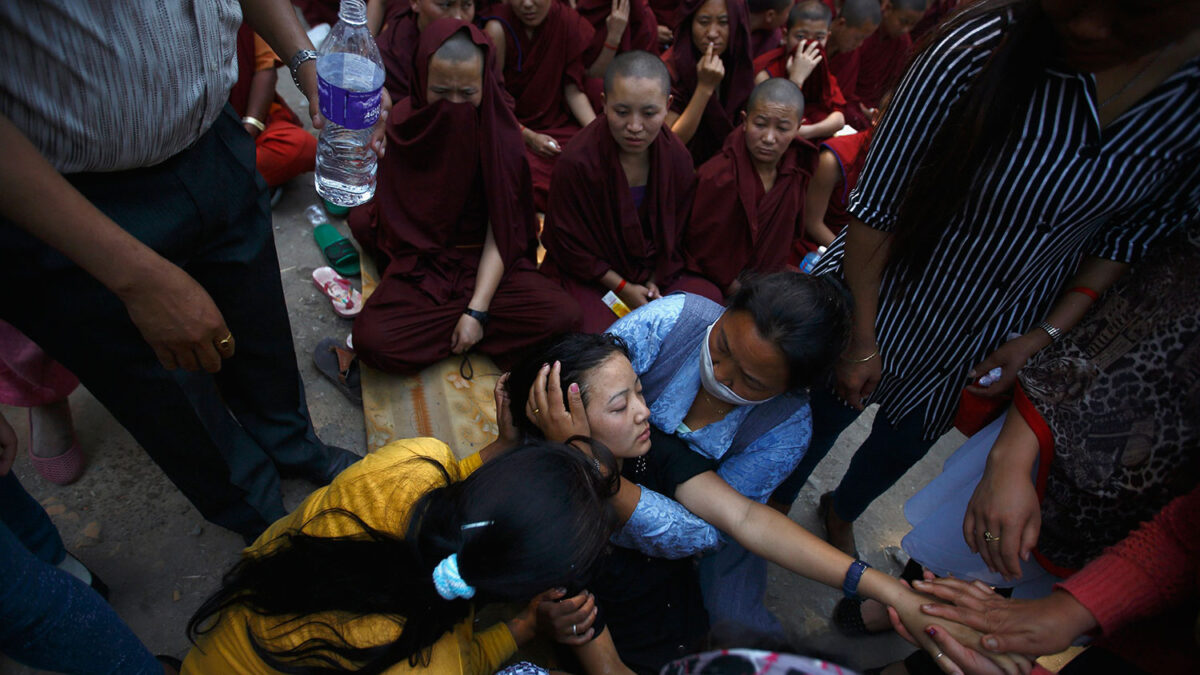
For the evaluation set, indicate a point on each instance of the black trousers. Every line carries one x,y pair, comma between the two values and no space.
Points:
225,439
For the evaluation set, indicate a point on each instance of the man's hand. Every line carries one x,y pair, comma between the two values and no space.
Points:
636,295
8,446
179,319
308,77
665,35
467,333
567,620
541,144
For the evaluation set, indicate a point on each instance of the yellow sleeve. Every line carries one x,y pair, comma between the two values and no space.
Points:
488,649
468,465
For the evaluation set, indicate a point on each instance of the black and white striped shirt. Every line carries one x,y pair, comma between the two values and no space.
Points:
1063,186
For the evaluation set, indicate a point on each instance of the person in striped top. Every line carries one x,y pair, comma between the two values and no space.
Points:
1032,151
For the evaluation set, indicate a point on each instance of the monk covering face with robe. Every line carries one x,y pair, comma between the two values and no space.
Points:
619,197
749,198
712,74
804,61
452,225
542,44
397,40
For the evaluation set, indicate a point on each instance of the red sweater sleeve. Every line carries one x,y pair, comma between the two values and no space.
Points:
1143,574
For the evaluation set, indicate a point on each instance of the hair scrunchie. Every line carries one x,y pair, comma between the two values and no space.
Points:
448,582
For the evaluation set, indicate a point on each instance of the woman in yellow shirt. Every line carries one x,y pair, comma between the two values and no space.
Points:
380,571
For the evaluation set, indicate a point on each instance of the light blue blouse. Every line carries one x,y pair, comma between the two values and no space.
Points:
660,526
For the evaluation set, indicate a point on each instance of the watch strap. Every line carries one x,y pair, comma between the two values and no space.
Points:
481,317
853,575
294,64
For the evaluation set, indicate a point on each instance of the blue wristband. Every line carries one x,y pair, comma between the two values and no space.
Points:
853,575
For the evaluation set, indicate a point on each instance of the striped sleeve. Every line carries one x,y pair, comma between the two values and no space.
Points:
935,80
1132,231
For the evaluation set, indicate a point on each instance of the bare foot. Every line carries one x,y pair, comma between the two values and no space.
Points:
51,430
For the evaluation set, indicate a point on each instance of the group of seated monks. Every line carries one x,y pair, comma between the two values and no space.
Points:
662,161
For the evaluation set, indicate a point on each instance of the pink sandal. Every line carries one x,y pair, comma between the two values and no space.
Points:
63,469
346,301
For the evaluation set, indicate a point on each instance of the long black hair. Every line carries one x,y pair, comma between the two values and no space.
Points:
546,519
806,317
576,352
975,130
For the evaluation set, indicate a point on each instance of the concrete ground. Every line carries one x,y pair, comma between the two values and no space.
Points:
161,559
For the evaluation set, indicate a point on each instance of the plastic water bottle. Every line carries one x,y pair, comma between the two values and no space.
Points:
810,260
349,83
315,215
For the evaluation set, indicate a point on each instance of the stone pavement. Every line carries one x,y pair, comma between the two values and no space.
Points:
161,559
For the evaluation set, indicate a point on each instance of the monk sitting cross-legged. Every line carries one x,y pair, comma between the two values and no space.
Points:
451,224
543,44
749,198
620,196
712,74
803,61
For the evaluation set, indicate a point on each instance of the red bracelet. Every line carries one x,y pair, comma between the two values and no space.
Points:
1084,290
620,286
613,47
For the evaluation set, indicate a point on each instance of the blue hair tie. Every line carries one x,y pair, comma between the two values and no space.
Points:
448,582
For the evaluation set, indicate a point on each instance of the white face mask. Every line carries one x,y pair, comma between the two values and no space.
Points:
708,378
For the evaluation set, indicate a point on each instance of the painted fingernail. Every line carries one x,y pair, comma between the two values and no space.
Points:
931,631
574,388
991,643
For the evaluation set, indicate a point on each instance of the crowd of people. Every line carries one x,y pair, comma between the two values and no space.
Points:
610,198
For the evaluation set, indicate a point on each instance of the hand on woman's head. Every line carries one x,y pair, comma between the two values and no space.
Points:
544,406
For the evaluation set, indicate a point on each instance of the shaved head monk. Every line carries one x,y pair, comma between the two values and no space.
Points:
804,61
750,198
880,61
712,74
543,45
620,196
767,19
452,224
402,23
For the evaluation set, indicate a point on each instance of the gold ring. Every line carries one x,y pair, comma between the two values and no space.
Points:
536,411
989,537
225,341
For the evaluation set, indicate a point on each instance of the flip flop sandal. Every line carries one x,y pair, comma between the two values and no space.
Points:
848,619
340,366
338,250
62,469
335,210
346,300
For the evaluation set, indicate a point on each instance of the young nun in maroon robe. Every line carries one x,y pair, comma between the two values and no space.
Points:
542,44
882,58
852,25
711,74
803,60
452,224
750,198
620,197
401,31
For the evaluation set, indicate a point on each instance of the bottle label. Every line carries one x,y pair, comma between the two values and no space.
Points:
349,109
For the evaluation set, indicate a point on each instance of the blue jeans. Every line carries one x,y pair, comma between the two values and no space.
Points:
887,453
49,619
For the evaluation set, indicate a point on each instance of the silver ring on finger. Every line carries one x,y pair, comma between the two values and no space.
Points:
573,631
938,655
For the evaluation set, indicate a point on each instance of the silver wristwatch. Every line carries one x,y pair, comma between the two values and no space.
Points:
294,65
1054,332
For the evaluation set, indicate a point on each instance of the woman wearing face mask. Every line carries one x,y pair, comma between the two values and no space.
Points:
651,607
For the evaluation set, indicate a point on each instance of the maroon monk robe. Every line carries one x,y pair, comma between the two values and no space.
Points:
822,95
536,69
725,107
592,224
851,153
938,10
737,226
450,170
845,68
318,11
764,40
882,61
666,12
397,42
